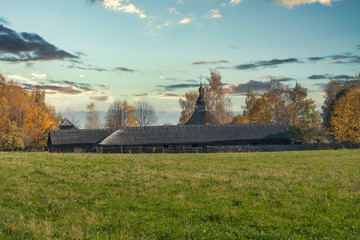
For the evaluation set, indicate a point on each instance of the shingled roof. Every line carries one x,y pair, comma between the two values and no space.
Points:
67,125
83,136
201,134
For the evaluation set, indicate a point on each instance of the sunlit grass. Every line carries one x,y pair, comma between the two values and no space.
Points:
298,195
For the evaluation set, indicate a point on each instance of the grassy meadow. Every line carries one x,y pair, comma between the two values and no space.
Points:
296,195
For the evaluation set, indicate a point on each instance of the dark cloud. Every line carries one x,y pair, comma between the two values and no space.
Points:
169,95
210,62
89,68
338,58
23,47
124,69
4,21
358,46
271,63
100,98
203,62
328,76
242,88
339,77
318,77
68,90
178,86
82,86
325,85
341,56
315,59
285,79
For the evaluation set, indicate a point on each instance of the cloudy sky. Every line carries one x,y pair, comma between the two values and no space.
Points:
80,51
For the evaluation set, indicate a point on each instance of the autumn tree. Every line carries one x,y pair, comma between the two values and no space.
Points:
144,113
121,114
25,118
345,120
281,104
333,92
38,123
187,106
92,118
304,117
217,104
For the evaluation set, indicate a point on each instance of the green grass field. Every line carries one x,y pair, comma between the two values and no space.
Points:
296,195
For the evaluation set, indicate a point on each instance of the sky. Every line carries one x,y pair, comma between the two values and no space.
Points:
82,51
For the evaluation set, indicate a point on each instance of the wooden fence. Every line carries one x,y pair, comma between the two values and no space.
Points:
278,148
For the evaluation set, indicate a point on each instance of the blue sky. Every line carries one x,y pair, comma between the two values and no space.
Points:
80,51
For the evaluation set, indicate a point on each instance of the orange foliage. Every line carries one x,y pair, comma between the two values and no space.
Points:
345,121
38,122
240,119
25,118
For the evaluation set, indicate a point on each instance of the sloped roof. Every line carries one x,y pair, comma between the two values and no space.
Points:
202,134
84,136
66,125
198,118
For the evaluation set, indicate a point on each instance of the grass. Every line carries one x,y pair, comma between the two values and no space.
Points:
296,195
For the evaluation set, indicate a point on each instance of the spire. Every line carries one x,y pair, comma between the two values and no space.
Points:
198,117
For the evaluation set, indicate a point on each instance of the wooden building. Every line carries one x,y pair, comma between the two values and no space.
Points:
191,138
163,139
195,136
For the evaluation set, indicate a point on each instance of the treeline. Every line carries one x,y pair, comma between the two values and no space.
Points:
121,114
25,118
339,121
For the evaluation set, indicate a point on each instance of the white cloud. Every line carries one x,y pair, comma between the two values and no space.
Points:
82,76
160,26
215,13
234,2
185,21
18,77
39,75
118,5
291,3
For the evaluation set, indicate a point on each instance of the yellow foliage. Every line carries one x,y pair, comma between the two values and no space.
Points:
38,122
240,119
345,121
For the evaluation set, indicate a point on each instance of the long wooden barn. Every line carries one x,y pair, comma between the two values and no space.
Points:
166,139
195,136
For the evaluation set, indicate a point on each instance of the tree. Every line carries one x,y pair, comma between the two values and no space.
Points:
333,92
345,120
249,102
92,118
187,106
10,136
330,98
217,104
240,119
144,113
38,122
281,104
121,114
25,118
